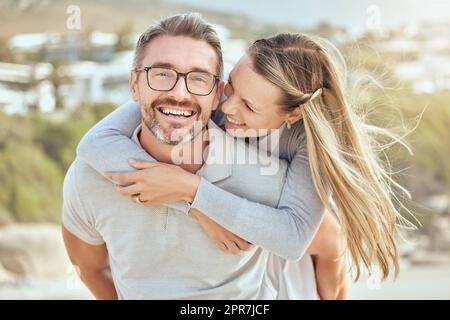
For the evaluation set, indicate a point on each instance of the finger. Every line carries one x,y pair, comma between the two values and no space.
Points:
232,247
146,203
140,164
133,198
123,178
242,244
222,246
145,199
130,190
142,200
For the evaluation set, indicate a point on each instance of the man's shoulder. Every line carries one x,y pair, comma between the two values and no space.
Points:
81,179
79,208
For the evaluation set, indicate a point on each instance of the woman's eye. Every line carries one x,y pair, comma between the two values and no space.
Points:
246,105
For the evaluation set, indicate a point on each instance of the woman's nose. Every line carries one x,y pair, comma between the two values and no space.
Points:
228,90
229,107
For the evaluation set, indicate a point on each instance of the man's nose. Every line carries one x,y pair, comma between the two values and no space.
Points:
179,92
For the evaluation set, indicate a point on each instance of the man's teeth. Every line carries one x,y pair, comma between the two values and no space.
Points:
174,112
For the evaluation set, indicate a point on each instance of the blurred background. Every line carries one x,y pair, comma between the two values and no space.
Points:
65,64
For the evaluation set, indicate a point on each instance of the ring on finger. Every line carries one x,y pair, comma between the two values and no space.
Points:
138,199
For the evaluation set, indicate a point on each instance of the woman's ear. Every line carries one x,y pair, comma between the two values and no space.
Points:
294,116
219,93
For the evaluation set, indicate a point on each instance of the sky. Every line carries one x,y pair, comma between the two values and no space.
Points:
357,15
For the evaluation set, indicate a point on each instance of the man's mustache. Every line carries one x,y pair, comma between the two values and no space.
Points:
175,103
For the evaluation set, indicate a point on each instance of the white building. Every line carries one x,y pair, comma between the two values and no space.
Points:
429,74
25,86
91,81
99,46
107,79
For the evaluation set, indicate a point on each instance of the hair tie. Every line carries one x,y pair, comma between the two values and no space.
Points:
316,93
311,97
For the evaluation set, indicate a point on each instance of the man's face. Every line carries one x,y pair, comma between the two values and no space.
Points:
171,115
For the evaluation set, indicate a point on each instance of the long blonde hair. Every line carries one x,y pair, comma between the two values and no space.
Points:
341,147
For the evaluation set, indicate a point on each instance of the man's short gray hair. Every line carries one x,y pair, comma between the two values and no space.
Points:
190,25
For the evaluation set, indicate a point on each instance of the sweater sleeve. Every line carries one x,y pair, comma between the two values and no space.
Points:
287,230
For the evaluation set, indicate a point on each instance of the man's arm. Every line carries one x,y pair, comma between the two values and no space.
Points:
93,264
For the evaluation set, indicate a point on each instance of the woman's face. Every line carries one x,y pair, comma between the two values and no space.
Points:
252,106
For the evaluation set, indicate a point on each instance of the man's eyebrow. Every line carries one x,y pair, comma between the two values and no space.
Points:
162,65
171,66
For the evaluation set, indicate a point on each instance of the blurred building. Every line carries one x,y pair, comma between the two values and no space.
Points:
426,49
97,46
428,74
88,70
26,86
93,81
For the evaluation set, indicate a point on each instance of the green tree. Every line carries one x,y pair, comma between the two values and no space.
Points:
31,184
56,78
35,153
6,55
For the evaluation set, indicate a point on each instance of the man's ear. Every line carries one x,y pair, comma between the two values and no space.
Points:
134,85
295,115
219,92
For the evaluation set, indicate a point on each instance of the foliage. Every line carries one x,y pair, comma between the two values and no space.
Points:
35,153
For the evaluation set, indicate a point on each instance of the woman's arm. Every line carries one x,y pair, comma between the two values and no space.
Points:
107,145
287,230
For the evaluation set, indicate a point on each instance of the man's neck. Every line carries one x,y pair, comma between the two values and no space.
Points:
193,150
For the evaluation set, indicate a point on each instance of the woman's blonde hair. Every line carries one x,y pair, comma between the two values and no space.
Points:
341,147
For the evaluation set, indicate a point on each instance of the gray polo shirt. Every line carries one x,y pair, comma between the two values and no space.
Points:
159,252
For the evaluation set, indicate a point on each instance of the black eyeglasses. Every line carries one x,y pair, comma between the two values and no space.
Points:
199,83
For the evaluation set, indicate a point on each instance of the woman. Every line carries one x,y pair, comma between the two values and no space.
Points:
286,80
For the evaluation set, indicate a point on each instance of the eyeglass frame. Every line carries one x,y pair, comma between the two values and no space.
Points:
183,74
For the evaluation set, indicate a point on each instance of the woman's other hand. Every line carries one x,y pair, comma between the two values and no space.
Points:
224,239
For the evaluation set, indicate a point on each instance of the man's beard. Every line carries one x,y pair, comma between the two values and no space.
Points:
150,120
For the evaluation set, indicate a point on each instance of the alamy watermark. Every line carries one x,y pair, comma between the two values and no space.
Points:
73,21
260,148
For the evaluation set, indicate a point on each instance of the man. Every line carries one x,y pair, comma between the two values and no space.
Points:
126,250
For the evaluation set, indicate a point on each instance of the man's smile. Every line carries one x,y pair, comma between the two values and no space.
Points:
175,112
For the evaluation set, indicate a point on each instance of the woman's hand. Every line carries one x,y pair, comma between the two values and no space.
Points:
156,183
222,238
